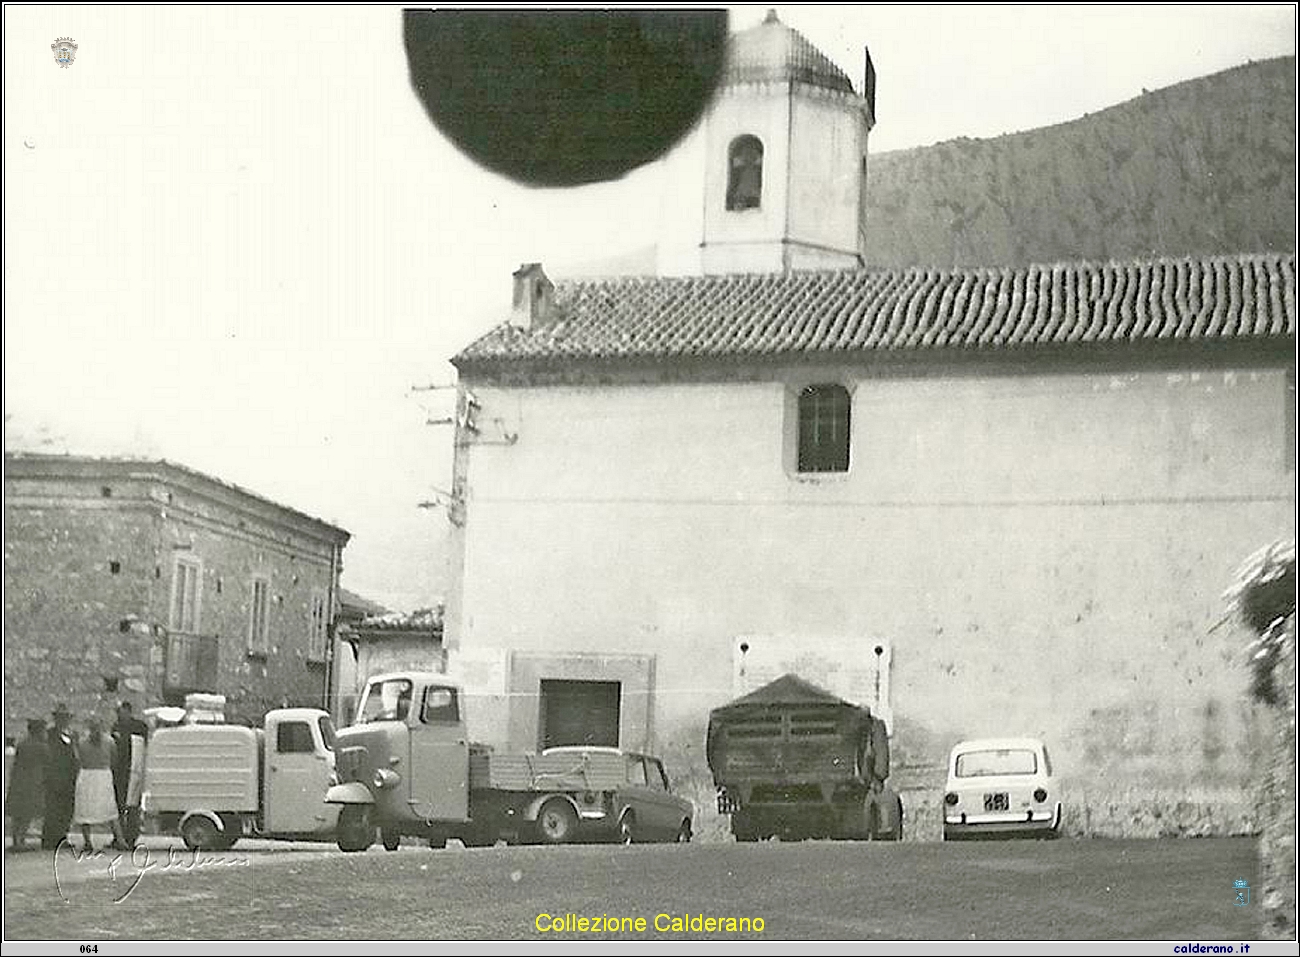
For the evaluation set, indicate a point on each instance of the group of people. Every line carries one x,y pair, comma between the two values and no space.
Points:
93,779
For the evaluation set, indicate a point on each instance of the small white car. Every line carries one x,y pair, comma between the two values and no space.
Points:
1000,786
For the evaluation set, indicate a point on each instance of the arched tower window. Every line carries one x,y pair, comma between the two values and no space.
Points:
745,173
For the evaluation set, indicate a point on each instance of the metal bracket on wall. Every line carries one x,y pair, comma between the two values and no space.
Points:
454,504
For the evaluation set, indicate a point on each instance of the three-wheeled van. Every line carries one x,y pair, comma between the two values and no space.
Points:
407,767
215,783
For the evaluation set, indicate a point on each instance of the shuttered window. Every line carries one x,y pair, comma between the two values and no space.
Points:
824,420
259,617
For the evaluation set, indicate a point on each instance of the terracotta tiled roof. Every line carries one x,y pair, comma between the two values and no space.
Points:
358,607
854,311
773,52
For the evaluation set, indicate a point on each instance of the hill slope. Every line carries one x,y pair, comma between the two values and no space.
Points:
1204,167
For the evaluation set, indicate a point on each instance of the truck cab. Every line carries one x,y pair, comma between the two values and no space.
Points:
403,765
406,767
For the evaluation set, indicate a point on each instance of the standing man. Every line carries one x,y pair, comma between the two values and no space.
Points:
129,736
60,780
26,798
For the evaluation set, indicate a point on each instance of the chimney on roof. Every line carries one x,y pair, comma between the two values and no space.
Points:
533,296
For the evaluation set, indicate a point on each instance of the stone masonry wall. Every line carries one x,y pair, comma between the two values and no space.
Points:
90,567
71,578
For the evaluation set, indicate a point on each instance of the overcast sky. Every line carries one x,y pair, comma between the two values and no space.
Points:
234,240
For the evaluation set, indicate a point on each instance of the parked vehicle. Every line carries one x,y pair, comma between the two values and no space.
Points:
640,809
406,767
1000,786
215,782
794,761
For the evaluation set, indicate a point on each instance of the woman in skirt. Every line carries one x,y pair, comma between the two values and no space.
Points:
96,803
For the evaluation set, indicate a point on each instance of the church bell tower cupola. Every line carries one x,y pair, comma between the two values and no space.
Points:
786,146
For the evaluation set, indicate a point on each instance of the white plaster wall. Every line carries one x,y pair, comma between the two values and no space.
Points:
828,141
750,239
1044,554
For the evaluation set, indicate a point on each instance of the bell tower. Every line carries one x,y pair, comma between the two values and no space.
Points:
786,154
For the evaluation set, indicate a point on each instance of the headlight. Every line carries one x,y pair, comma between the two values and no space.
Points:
950,799
1040,795
385,778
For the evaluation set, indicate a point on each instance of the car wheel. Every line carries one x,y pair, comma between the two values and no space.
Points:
392,840
201,834
556,822
684,833
626,834
356,829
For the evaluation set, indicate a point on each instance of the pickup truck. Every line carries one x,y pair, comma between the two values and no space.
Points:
406,767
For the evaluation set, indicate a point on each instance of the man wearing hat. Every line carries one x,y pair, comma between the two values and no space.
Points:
26,799
60,780
129,737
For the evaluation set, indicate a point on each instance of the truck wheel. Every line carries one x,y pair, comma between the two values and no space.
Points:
233,829
356,830
743,827
478,837
200,834
884,825
895,830
871,817
684,833
392,840
556,822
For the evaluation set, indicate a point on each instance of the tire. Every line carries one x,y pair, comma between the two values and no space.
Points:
392,840
201,834
478,837
356,829
895,832
556,822
743,827
233,831
684,833
626,832
871,818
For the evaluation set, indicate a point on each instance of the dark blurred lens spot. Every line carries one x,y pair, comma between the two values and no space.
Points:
564,97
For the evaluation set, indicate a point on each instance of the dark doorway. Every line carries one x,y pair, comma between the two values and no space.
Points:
579,712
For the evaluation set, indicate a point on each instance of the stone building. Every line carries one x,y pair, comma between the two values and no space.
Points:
145,580
980,501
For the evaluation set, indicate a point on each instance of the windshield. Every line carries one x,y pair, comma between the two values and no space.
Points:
386,701
974,764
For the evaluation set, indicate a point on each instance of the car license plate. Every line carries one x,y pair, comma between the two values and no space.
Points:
996,802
